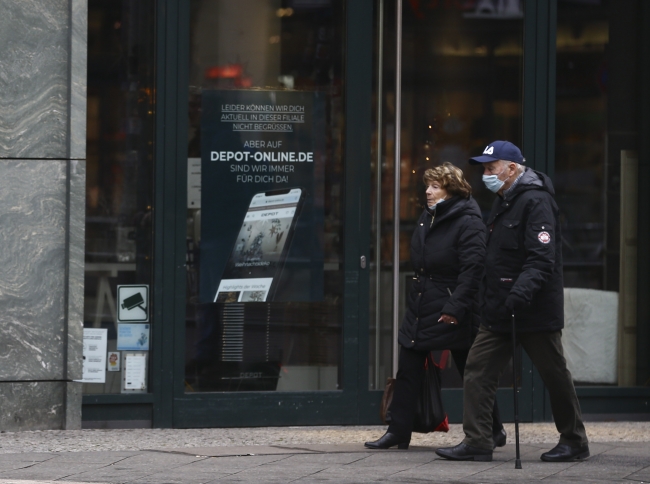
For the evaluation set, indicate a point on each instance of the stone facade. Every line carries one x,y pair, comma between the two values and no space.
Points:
42,211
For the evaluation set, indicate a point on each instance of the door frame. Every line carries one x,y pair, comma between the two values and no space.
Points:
173,407
538,119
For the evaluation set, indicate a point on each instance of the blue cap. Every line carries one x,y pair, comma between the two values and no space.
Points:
499,150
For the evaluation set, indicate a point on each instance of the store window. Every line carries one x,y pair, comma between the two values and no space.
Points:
117,300
462,89
264,207
596,179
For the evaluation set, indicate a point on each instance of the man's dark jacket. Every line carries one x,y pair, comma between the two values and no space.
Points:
447,257
524,257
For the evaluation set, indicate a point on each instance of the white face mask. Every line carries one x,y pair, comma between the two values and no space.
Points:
431,207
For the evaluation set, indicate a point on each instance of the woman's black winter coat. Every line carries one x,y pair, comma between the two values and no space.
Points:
448,258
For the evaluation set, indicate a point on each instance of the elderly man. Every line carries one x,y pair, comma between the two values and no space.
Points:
523,275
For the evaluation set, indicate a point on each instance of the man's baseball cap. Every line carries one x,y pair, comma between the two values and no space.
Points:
499,150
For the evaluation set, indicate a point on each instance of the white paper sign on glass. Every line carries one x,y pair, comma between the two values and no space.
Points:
133,337
94,355
135,372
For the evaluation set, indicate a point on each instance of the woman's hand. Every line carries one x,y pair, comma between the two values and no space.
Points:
445,318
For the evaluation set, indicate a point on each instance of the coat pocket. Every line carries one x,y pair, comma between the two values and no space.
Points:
509,238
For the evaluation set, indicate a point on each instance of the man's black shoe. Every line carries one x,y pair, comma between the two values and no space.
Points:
387,441
565,453
499,438
465,452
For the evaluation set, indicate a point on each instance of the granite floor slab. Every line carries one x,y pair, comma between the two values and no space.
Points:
347,463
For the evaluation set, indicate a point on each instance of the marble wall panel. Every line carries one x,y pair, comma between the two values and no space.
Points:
42,116
76,253
32,406
35,78
78,76
32,269
73,401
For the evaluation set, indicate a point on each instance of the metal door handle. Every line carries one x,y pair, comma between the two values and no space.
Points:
363,261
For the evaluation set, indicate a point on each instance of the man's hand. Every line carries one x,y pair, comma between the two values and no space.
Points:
513,301
446,318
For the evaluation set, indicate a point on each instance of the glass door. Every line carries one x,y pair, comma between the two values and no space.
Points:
267,231
461,69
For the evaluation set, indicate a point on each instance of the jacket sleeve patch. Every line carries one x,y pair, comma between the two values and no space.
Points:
544,237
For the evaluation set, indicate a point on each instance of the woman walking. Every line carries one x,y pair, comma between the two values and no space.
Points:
447,254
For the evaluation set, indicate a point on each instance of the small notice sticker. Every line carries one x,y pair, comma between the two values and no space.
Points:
544,237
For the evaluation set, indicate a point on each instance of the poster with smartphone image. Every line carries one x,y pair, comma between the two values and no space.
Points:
259,253
262,165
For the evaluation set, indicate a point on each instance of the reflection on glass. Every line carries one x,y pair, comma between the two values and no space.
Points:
119,166
264,218
596,184
462,88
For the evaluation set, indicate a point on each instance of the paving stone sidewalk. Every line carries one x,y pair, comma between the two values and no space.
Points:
300,460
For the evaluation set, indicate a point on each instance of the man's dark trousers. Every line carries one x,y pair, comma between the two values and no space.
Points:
488,357
407,391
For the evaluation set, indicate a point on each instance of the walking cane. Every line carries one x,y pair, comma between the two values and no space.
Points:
514,391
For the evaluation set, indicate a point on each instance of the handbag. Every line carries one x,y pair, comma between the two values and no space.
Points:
430,415
386,400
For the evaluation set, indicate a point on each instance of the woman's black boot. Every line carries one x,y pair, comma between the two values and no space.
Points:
387,441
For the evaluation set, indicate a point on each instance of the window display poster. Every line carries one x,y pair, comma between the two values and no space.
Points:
133,337
94,355
262,164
